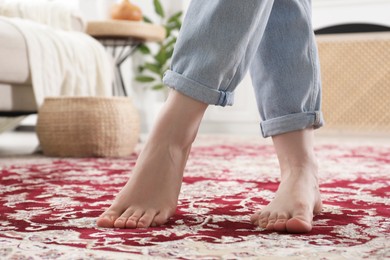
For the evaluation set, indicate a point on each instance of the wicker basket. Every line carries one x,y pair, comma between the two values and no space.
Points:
88,127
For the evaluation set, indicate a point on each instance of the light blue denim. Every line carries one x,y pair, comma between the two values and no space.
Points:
221,40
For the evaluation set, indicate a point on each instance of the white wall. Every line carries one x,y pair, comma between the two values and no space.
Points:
333,12
100,9
322,9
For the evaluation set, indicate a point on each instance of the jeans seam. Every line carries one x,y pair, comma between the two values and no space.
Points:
311,54
228,84
241,59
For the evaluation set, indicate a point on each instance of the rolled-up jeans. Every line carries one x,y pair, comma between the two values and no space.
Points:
221,40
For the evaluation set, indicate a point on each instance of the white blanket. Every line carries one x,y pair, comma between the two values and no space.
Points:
64,63
54,13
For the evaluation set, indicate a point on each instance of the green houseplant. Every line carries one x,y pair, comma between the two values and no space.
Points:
157,61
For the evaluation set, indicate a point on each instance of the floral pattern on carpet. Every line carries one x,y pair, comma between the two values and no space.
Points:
49,207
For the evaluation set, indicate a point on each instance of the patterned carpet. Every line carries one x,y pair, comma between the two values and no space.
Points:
48,207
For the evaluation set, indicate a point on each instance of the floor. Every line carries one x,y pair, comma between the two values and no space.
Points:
218,193
23,140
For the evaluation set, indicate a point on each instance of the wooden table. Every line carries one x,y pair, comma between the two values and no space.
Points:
121,39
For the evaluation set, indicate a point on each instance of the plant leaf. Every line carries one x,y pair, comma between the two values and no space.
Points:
158,87
158,8
175,17
153,67
157,60
167,31
147,19
144,49
174,25
161,56
169,53
144,79
171,42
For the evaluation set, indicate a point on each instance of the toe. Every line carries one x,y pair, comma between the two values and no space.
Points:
255,218
271,221
263,223
133,219
146,220
121,221
107,219
270,224
280,223
261,219
298,225
160,219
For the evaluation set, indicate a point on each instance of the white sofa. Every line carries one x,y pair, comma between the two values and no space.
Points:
16,92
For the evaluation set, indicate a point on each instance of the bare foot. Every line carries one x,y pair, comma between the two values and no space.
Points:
298,197
150,197
296,201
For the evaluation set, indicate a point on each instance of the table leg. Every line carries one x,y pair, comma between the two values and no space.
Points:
121,50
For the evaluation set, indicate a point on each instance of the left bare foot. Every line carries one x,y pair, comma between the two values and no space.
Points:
296,201
298,196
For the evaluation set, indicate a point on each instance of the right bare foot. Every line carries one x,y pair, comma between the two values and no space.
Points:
150,197
298,196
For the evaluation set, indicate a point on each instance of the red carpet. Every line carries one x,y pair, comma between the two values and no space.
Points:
49,206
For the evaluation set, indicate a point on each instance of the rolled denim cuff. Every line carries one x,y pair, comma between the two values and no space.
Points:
196,90
293,122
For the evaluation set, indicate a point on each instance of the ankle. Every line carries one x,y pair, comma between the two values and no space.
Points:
304,169
171,138
178,122
298,160
170,144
